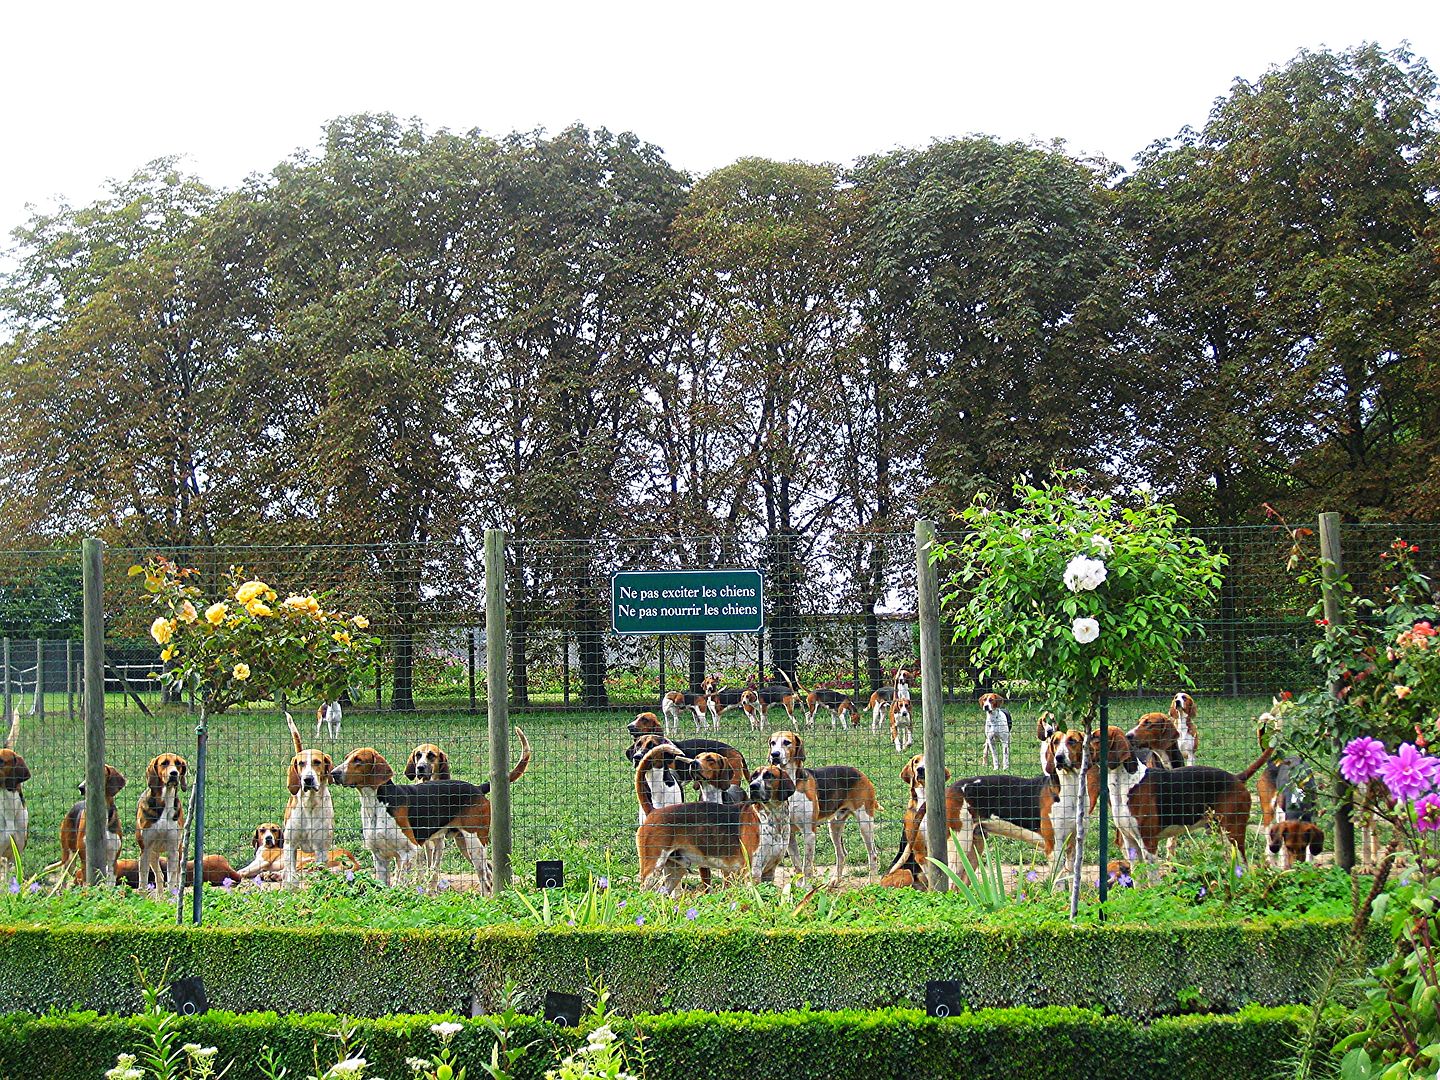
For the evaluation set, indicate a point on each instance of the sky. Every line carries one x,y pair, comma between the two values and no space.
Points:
94,91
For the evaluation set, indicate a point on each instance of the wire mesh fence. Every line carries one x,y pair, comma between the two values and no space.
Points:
833,676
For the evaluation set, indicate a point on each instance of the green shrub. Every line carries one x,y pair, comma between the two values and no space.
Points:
1034,1043
1126,970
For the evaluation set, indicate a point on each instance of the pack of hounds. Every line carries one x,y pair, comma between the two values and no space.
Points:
745,821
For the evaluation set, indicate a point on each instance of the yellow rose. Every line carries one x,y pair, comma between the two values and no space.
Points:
258,609
360,621
295,600
342,637
215,613
162,629
249,591
241,672
168,652
312,605
187,612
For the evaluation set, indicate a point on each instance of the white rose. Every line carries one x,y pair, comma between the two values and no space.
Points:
1102,545
1084,574
1085,630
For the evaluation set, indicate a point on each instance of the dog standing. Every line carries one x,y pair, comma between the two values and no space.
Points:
309,813
160,819
72,829
998,725
902,726
14,815
831,794
329,715
1182,712
882,698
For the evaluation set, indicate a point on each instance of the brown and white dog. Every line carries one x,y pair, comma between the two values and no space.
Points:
902,726
427,762
309,812
268,840
160,819
1182,711
328,715
721,700
707,836
14,814
648,724
771,790
1149,805
831,794
72,829
840,705
880,700
661,773
1289,842
997,731
675,702
908,870
216,870
398,820
1160,735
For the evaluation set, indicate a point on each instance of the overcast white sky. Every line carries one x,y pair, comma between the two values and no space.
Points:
93,91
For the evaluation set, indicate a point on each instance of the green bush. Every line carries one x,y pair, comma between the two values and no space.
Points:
1034,1043
1125,970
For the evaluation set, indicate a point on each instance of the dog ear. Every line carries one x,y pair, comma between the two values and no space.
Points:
799,757
255,838
327,767
786,787
293,781
184,767
947,772
152,776
907,774
410,766
114,781
1317,840
442,766
1275,838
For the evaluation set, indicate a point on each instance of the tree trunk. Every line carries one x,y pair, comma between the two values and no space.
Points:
590,624
403,587
697,660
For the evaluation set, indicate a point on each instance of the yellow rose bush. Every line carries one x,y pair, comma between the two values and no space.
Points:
249,645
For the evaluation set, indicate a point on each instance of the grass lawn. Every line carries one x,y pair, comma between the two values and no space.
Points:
576,801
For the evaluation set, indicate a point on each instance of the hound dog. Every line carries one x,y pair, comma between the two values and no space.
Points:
771,790
839,705
425,763
1149,804
1287,793
719,837
14,814
647,724
998,725
72,828
1182,711
1045,726
661,773
1018,807
831,794
1293,840
722,699
717,778
882,698
215,870
397,820
309,823
902,727
1158,734
160,818
675,702
908,870
328,715
268,841
783,694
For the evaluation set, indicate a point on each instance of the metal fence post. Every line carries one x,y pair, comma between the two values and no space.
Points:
5,660
96,818
931,704
1330,570
497,693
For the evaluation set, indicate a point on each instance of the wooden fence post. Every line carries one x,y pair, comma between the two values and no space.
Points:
1330,571
497,693
932,709
96,819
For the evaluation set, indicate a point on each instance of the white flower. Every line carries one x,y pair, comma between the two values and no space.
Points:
1085,630
124,1069
417,1065
349,1067
601,1036
1084,574
447,1030
1101,544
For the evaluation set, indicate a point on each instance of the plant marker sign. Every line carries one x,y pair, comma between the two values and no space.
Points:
687,601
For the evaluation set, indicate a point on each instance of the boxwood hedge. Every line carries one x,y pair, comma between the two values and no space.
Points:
1126,971
1034,1043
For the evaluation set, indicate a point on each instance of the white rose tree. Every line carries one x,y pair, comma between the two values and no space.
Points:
1067,594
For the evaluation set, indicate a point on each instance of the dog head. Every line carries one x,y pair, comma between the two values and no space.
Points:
363,768
1063,751
642,745
1182,705
771,784
166,770
13,770
646,723
1155,731
1295,841
427,762
675,767
712,769
309,771
1045,726
899,713
1118,752
991,702
709,684
902,678
268,836
787,748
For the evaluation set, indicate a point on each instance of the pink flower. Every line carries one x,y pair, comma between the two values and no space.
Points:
1409,774
1427,813
1362,760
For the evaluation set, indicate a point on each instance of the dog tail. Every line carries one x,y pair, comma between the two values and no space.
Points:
14,729
1255,767
524,762
294,733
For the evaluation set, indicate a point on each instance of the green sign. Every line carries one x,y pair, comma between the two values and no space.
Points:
687,601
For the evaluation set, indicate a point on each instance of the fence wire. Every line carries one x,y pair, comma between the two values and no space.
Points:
839,625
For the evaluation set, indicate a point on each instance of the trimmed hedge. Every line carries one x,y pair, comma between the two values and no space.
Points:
1127,971
1034,1043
